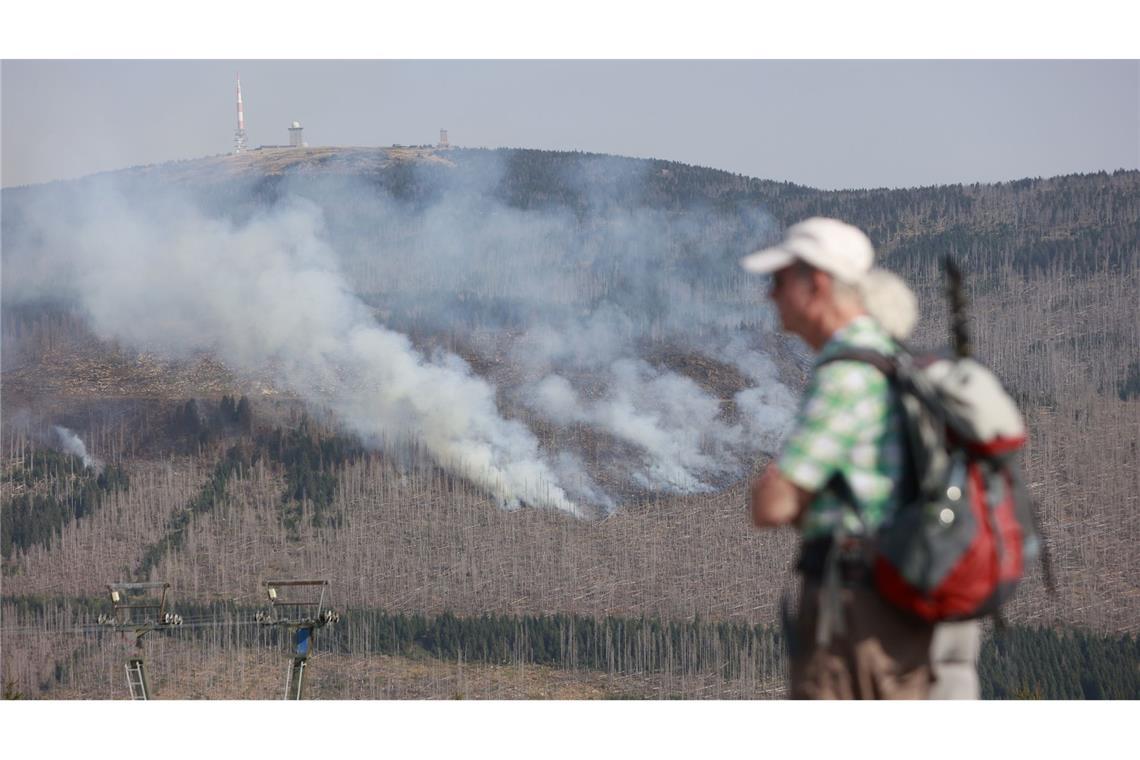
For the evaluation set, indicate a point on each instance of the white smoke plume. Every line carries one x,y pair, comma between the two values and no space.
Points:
678,426
766,408
268,293
73,444
351,296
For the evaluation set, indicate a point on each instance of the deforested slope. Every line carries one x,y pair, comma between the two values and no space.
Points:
581,314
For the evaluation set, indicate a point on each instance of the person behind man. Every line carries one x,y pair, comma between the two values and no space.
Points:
842,469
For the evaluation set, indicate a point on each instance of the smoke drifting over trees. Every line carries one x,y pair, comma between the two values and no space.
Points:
73,444
348,293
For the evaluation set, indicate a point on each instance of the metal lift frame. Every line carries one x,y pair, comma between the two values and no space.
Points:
303,626
121,621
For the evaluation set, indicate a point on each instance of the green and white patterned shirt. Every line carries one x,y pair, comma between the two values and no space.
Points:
847,423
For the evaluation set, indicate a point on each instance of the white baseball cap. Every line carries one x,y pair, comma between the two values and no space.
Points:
829,245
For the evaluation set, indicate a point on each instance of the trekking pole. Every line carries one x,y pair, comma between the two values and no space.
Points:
959,319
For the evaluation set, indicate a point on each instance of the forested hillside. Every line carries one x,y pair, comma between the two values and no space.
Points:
591,308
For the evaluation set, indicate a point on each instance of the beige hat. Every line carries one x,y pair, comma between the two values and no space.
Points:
830,245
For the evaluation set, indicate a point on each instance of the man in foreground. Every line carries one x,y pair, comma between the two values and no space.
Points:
842,469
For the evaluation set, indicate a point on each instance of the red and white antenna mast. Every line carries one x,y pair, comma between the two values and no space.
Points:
239,133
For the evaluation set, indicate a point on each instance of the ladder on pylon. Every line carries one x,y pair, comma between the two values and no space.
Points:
295,681
136,678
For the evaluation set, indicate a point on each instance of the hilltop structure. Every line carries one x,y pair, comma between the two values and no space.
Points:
239,133
296,132
295,139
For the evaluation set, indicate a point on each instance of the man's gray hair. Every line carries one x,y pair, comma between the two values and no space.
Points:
889,302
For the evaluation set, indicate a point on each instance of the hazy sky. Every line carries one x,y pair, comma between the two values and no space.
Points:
827,124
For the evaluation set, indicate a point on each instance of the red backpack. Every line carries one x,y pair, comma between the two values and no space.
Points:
957,546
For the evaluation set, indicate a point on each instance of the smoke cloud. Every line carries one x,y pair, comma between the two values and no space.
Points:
453,317
73,444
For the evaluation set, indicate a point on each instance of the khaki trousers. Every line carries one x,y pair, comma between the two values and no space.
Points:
881,654
954,654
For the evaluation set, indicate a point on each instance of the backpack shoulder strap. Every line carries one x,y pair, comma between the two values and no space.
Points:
888,365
